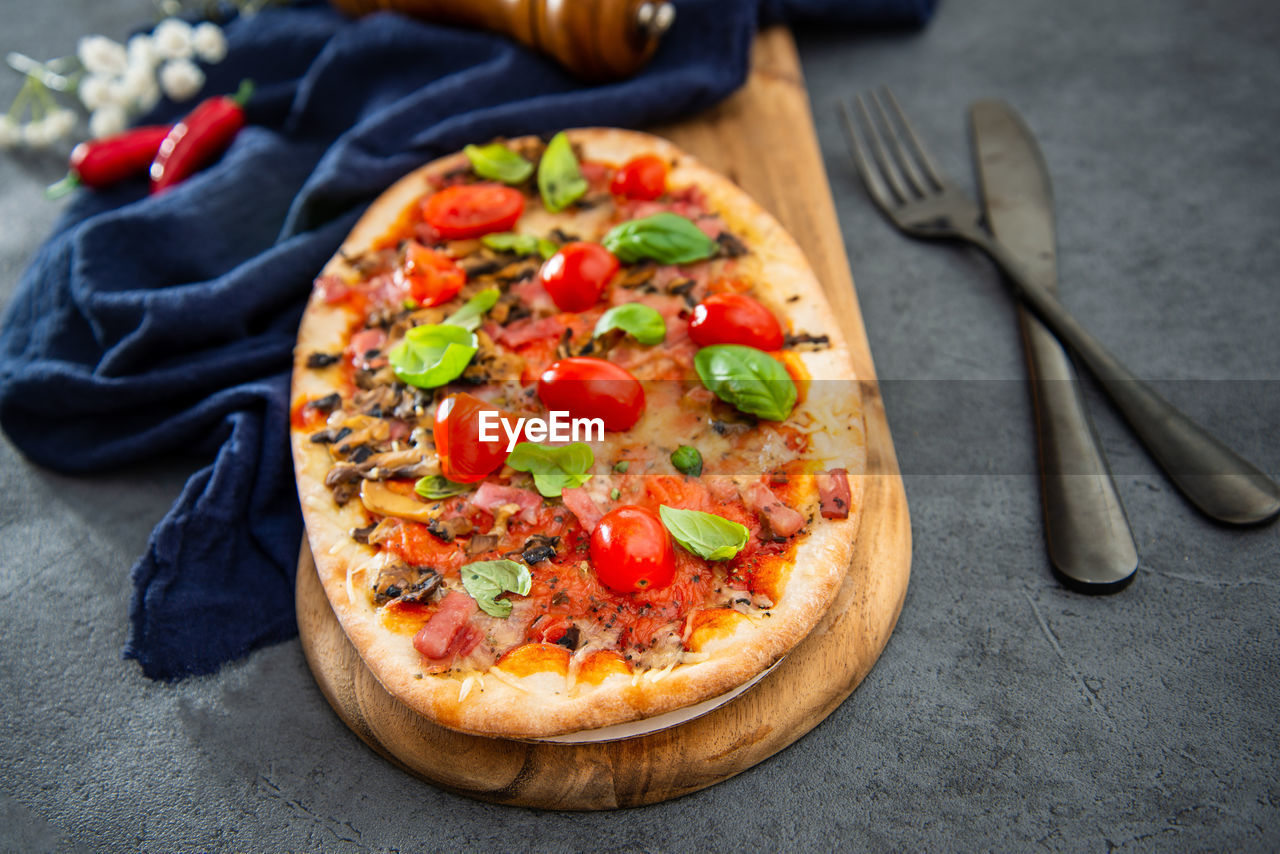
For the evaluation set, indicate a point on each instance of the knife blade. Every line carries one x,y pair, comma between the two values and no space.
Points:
1089,542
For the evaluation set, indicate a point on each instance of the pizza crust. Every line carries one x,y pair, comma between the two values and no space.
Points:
531,695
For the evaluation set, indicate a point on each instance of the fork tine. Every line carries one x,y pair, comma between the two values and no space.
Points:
869,171
891,172
903,157
929,166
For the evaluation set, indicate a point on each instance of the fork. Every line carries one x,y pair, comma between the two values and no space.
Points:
908,186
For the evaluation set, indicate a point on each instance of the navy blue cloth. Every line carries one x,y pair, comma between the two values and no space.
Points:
156,325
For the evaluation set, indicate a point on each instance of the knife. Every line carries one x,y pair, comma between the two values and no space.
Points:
1089,541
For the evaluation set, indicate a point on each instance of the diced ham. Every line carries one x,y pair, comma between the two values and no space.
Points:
722,489
398,430
364,342
598,175
833,493
534,295
583,506
781,519
435,639
712,226
491,496
530,329
332,289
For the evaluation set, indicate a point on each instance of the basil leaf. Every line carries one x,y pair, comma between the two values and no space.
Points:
432,355
559,180
510,241
498,163
749,379
687,460
486,580
707,535
520,244
468,317
665,237
553,467
640,321
439,486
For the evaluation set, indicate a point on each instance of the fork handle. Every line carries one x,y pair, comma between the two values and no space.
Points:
1220,482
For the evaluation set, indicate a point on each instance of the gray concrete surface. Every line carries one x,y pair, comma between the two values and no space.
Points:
1006,712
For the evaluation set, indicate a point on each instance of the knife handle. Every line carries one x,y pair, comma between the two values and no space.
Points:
598,40
1087,533
1224,485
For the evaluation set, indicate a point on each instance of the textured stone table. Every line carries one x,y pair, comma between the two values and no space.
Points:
1006,712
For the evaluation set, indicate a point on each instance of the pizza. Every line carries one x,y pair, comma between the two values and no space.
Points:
576,438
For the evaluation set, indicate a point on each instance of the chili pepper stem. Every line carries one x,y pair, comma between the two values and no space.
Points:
63,187
244,93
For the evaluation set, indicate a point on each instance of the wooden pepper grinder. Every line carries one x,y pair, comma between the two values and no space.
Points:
595,39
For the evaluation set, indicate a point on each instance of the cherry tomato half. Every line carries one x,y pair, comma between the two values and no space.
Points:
470,210
577,274
631,550
592,388
428,276
643,177
734,319
463,457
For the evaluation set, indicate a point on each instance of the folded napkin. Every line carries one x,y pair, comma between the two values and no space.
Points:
155,325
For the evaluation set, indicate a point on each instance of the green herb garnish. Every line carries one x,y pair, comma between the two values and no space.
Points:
438,486
553,467
665,237
560,180
486,580
498,163
637,320
468,317
432,355
707,535
519,244
749,379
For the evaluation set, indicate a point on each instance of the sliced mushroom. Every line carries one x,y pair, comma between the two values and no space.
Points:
378,498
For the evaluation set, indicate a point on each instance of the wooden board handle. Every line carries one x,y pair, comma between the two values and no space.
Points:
596,39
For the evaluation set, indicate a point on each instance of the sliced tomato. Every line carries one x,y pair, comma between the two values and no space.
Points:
592,388
470,210
576,275
464,458
429,277
631,550
735,319
643,177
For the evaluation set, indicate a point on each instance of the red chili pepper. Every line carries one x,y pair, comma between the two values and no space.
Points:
102,162
199,138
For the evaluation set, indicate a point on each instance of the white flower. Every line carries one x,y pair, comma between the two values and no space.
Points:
137,82
172,38
36,134
209,42
95,91
101,55
181,79
60,122
10,133
106,121
148,98
142,52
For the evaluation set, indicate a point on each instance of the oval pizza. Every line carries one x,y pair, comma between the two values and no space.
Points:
577,440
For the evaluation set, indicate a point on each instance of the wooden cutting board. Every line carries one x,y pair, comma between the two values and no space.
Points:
763,139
